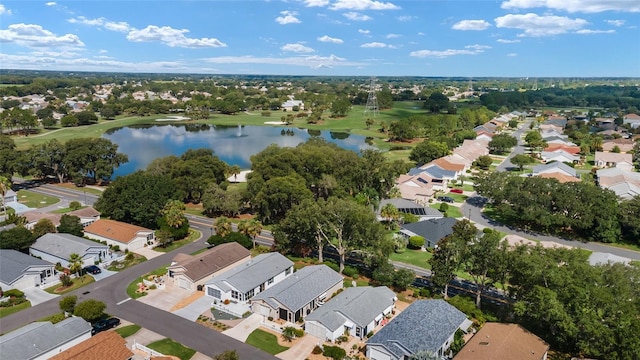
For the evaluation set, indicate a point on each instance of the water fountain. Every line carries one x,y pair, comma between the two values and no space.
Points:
239,133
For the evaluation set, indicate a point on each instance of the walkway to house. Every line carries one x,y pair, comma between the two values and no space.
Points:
301,349
148,253
241,331
198,304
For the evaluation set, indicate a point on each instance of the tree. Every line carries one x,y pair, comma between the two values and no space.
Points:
437,102
484,162
222,226
227,355
235,170
428,151
217,201
402,130
446,259
402,278
369,122
535,141
90,310
48,159
164,237
70,224
250,228
19,238
42,227
289,333
68,303
629,215
5,185
24,120
173,213
390,213
340,107
69,121
75,263
479,259
94,158
301,229
86,117
501,143
278,195
521,160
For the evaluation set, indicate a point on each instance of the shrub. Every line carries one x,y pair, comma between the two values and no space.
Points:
116,248
266,113
57,318
14,293
66,280
270,318
246,314
129,257
241,239
75,205
317,350
416,242
334,352
299,333
335,267
369,334
349,271
68,303
153,287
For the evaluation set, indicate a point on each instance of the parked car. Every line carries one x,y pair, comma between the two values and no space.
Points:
105,324
457,191
92,269
445,199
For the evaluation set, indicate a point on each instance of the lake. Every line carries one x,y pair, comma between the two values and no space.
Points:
234,145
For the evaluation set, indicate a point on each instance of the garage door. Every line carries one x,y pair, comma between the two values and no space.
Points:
184,283
263,310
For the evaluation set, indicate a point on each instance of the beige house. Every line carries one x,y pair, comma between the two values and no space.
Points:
497,341
116,233
189,271
608,159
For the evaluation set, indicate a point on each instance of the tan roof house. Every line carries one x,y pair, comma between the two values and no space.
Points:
418,187
497,341
107,345
188,271
625,145
608,159
117,233
32,217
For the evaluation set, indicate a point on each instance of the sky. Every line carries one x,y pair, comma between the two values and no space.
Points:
472,38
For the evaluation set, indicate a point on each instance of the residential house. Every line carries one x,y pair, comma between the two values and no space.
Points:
243,282
625,145
58,247
562,178
42,340
600,258
107,345
553,133
446,164
484,136
290,104
625,184
410,207
471,150
356,310
550,127
88,215
608,159
573,150
498,341
559,121
418,188
21,271
298,295
191,271
558,140
439,173
605,123
432,230
116,233
32,218
560,156
632,119
424,326
555,168
10,196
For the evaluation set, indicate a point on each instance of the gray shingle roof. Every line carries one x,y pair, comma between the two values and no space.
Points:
432,229
408,206
62,245
13,264
558,165
252,273
301,288
423,326
437,172
360,305
38,338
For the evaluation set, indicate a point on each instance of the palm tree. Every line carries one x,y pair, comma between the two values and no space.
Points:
250,228
75,263
390,213
5,185
222,226
173,213
235,170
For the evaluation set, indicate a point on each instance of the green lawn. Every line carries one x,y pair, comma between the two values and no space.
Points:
417,258
65,210
35,200
265,341
193,234
170,347
131,289
77,283
6,311
128,330
453,211
119,266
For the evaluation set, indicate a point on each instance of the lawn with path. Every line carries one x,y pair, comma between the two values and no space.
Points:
265,341
77,283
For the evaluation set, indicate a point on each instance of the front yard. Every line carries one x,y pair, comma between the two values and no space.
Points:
136,290
193,235
265,341
6,311
170,347
35,200
417,258
77,283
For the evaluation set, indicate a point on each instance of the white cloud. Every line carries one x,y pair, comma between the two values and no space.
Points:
171,37
535,25
420,33
316,3
512,54
297,48
363,5
615,22
585,6
329,39
589,31
102,22
354,16
51,3
313,61
374,45
392,36
32,35
475,25
103,51
366,32
507,41
468,50
288,17
4,10
405,18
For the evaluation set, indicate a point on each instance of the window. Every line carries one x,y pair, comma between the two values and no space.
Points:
150,236
250,294
235,295
270,281
287,272
214,293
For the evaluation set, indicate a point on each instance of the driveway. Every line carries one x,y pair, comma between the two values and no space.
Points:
301,349
241,331
103,274
148,253
165,299
37,296
195,309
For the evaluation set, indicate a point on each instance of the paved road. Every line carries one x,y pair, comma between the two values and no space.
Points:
519,149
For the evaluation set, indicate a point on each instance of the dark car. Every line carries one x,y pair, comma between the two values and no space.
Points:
445,199
92,269
105,324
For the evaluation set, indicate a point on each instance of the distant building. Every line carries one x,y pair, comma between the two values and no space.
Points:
496,341
290,104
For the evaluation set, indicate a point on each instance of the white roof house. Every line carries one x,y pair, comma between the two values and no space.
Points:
58,247
21,271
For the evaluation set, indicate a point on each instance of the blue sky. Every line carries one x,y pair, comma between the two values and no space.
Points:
519,38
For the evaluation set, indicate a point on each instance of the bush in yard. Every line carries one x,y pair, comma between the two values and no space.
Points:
68,303
289,333
241,239
416,242
75,205
57,318
349,271
335,267
14,293
334,352
299,333
129,256
270,318
444,207
317,350
90,310
66,280
369,334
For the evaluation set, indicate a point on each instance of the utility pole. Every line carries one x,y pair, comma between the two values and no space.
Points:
372,99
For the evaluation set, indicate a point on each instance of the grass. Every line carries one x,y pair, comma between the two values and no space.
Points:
265,341
128,330
193,235
417,258
131,289
121,265
77,283
65,210
6,311
35,200
453,211
170,347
